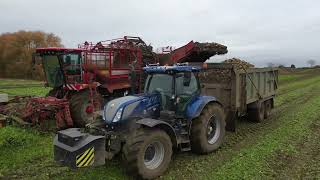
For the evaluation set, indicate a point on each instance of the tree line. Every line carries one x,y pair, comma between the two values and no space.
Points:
16,53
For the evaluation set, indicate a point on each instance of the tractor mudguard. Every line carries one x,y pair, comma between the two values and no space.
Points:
76,149
195,108
162,125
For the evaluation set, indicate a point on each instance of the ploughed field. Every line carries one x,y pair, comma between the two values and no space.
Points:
284,146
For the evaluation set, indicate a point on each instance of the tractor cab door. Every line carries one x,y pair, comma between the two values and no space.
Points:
186,87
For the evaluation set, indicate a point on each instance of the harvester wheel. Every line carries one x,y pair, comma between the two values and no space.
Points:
208,130
256,112
81,108
268,107
147,154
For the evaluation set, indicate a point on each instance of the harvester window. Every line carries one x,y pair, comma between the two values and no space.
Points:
53,70
72,64
102,60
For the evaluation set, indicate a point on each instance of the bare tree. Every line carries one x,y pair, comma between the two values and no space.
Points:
311,62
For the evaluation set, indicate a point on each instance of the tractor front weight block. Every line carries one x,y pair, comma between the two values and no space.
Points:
76,149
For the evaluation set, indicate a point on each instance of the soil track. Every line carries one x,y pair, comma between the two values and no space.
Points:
246,135
31,156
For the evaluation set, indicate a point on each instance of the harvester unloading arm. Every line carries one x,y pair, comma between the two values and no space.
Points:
193,52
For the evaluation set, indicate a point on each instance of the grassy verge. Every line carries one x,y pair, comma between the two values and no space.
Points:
252,162
28,154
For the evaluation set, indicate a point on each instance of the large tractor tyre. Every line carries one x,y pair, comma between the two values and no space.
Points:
81,108
267,108
256,112
147,153
208,130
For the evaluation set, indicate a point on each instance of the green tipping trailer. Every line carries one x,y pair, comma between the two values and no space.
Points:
241,91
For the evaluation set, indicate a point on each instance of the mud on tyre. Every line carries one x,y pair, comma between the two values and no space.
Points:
81,107
256,111
208,130
147,153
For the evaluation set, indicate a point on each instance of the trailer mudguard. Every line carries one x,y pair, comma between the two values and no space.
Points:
161,125
76,149
195,108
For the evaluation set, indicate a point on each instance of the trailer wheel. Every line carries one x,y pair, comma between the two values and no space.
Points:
147,154
82,111
208,130
256,112
267,110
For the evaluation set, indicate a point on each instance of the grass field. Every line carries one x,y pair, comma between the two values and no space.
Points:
285,146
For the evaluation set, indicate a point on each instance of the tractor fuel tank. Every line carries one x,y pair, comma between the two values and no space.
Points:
76,149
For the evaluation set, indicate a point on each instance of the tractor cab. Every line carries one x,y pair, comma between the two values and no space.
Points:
177,86
60,65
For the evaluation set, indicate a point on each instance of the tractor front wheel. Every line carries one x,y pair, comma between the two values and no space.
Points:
208,130
147,153
81,107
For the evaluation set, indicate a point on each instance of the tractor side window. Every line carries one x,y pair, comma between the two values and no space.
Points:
186,87
186,83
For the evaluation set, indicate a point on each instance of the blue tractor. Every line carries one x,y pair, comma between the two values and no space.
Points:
170,115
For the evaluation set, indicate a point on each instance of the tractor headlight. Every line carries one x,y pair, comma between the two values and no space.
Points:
118,115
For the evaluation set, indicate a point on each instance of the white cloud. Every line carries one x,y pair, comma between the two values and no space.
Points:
273,30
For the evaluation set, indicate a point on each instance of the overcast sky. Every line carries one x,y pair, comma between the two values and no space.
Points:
279,31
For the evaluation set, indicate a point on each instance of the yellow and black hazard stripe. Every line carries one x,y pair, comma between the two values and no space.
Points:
86,158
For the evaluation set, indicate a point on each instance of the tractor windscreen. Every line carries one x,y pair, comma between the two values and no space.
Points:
159,82
163,84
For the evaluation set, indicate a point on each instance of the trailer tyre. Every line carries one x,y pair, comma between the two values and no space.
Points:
208,130
256,112
147,154
268,107
81,107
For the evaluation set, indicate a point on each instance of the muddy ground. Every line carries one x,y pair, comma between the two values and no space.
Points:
285,146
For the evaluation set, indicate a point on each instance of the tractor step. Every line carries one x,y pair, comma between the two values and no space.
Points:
185,149
184,132
185,145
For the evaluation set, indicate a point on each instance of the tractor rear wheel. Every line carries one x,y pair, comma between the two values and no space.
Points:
82,109
147,154
208,130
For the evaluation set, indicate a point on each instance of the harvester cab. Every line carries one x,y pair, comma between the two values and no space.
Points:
146,127
60,65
